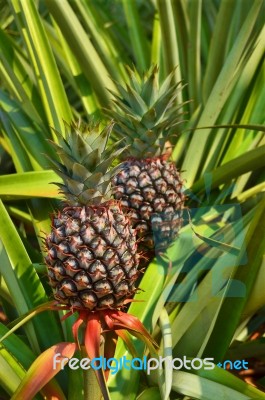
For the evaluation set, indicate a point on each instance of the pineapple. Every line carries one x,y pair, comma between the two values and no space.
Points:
149,184
92,254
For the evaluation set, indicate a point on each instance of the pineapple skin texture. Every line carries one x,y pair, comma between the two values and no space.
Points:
151,190
92,256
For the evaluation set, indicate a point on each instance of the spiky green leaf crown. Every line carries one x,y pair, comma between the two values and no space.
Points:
85,166
146,112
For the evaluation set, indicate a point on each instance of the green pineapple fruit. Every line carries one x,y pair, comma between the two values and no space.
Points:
149,184
92,255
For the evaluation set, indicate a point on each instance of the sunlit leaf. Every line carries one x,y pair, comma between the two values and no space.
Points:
43,369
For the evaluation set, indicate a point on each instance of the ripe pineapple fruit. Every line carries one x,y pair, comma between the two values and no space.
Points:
92,255
149,184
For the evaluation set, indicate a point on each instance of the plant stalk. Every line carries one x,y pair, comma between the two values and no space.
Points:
91,386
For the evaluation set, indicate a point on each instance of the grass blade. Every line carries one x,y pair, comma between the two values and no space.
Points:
28,185
24,285
219,94
139,43
49,81
82,48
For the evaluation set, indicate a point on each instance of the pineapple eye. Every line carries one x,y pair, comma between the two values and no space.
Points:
131,185
51,276
165,231
155,173
57,221
169,175
123,175
99,246
117,241
133,215
63,250
141,228
103,286
72,264
88,299
149,193
116,273
159,204
87,233
146,211
99,223
177,216
106,301
98,270
176,228
171,196
97,241
108,255
59,271
52,253
125,256
76,303
144,179
57,234
161,185
125,203
119,192
133,274
68,287
110,258
132,245
156,222
119,217
121,229
75,242
59,295
122,288
134,171
136,200
180,200
71,226
169,211
83,280
85,257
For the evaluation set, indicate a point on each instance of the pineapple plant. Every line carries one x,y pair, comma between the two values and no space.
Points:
91,257
92,250
149,185
56,62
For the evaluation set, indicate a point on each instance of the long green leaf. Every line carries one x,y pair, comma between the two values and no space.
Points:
17,79
194,64
42,371
31,138
170,47
24,284
28,185
233,306
48,78
217,52
205,389
82,47
11,371
225,378
250,161
219,94
138,40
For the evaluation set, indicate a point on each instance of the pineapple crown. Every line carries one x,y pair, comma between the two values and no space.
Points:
85,166
146,112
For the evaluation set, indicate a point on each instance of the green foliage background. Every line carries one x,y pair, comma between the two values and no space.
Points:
57,62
